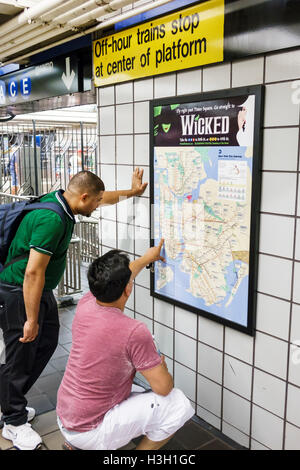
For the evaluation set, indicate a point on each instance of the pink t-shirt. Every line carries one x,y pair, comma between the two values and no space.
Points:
107,350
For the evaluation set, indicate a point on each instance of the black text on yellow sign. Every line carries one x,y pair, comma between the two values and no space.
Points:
185,39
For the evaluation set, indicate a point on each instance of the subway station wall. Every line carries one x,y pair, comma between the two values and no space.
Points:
249,388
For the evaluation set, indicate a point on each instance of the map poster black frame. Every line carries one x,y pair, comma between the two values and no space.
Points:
256,91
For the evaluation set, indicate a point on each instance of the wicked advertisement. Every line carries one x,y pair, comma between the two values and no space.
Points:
204,162
218,122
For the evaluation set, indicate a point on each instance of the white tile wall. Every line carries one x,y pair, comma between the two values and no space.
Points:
296,293
257,445
186,322
282,200
141,117
142,212
124,176
295,326
235,434
189,82
124,119
292,437
107,120
109,177
209,417
273,316
107,149
294,364
267,428
269,392
276,235
142,240
293,409
146,322
124,93
280,149
279,107
248,72
236,411
125,211
274,276
164,336
143,89
216,77
297,251
125,237
210,362
211,332
141,149
271,355
185,379
185,350
209,395
106,96
238,345
130,301
124,153
143,301
109,233
223,371
283,66
164,312
238,377
164,86
143,278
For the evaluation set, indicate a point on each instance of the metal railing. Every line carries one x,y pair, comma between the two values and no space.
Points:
88,232
71,280
36,159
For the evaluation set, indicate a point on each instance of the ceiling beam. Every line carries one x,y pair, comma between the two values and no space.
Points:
19,3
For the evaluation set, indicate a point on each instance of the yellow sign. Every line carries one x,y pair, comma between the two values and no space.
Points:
181,40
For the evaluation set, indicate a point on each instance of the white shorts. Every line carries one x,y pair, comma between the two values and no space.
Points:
149,414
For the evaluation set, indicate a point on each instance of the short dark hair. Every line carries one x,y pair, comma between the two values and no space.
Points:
86,181
109,275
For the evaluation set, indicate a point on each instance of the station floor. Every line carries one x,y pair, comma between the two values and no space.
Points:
195,435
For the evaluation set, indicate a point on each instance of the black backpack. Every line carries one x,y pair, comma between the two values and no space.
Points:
11,216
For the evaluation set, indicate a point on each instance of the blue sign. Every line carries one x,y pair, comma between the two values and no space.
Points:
13,89
25,86
54,78
2,92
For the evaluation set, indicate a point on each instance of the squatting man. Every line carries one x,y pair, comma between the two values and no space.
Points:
28,310
96,407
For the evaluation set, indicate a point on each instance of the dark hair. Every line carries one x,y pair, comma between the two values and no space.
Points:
109,275
86,181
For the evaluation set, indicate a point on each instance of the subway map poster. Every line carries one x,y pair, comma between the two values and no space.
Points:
205,195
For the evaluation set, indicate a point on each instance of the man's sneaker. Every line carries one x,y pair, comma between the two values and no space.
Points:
30,416
23,437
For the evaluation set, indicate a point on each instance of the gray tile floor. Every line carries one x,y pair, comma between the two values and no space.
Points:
196,434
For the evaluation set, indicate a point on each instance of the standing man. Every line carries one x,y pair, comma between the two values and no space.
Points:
28,310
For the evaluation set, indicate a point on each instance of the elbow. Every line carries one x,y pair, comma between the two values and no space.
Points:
32,275
164,389
164,392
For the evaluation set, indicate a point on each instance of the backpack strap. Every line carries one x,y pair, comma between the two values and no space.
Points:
52,206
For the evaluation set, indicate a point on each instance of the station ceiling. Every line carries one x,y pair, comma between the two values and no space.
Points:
28,27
